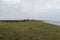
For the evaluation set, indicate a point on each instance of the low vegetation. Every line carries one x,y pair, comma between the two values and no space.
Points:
29,30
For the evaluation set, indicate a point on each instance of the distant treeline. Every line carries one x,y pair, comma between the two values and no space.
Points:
14,20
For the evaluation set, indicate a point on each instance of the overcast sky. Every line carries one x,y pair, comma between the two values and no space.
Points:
30,9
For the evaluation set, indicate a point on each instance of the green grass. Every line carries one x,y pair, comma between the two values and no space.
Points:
29,30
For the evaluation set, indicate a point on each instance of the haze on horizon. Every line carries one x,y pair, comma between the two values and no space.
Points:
30,9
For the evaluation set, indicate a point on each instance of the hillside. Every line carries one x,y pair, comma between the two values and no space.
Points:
29,30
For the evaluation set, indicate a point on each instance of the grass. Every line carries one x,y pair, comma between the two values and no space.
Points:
29,30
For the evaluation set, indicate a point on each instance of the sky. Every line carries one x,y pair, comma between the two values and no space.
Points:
30,9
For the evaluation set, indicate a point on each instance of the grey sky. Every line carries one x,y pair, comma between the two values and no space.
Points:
31,9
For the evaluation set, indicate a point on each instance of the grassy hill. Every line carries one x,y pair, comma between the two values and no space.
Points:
29,30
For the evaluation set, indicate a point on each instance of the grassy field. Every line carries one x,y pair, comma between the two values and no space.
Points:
29,30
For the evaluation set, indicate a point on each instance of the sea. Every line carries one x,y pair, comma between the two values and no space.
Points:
52,22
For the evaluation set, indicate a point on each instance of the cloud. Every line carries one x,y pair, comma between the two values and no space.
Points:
11,1
33,9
